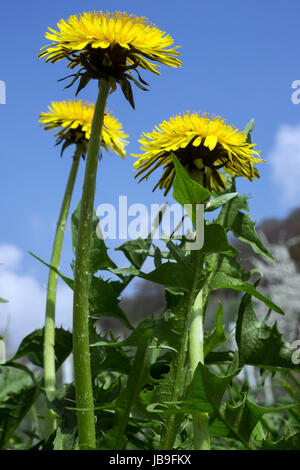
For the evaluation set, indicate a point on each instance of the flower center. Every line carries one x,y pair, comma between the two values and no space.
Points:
202,156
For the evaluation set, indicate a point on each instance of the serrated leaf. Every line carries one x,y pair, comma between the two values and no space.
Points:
205,392
243,228
241,225
260,344
171,275
241,420
289,442
32,347
130,248
230,276
104,300
18,392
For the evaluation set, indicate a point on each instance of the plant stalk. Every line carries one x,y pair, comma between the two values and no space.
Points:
196,353
82,366
168,440
49,330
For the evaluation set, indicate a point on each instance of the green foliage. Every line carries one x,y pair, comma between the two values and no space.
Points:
186,190
32,347
144,393
217,335
18,392
260,344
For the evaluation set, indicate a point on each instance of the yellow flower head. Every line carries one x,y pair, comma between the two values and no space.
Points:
203,145
107,45
74,119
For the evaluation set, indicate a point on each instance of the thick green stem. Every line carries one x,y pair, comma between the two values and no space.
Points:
196,353
49,331
196,339
82,366
168,440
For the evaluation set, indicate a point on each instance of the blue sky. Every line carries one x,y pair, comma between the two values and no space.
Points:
239,61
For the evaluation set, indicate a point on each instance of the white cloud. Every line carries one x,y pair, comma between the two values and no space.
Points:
285,161
10,256
25,310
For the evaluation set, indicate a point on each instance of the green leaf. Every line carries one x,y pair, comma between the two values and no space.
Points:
219,201
186,190
157,257
99,258
243,228
171,275
32,347
131,271
133,339
127,90
207,389
178,254
67,280
250,126
204,394
116,438
103,296
229,276
176,278
241,224
215,239
217,336
104,300
113,359
260,344
62,400
18,392
241,420
63,441
289,442
130,248
3,301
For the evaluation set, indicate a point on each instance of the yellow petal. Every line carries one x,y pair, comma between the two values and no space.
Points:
211,142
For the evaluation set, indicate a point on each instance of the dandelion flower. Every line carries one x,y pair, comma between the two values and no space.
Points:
74,119
203,145
110,46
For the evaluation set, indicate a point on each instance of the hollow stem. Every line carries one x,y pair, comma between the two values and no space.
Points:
169,437
82,366
49,330
196,354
